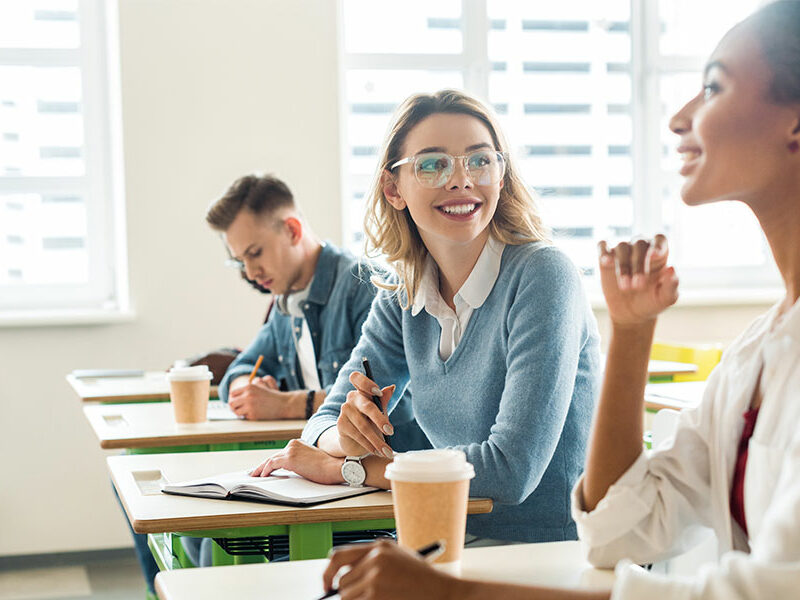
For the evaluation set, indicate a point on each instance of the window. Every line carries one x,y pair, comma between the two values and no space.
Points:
61,246
583,90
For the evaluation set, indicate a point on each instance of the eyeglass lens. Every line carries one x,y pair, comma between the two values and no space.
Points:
434,169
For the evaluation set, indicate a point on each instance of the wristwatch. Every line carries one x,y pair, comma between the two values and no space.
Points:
353,471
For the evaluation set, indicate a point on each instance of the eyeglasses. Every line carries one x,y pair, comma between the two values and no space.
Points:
434,169
234,263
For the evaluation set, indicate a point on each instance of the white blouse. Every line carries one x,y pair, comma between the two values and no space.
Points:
470,296
648,514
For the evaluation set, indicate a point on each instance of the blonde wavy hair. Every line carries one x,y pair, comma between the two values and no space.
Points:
393,233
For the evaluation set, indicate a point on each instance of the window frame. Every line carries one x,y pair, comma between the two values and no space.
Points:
738,284
105,297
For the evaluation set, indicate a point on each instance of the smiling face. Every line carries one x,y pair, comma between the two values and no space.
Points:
460,211
734,138
268,248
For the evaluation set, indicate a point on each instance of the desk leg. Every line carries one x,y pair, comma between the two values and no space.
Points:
168,551
310,540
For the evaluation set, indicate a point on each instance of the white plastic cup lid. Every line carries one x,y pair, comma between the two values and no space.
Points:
198,373
430,466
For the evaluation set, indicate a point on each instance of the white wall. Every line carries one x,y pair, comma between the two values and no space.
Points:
211,89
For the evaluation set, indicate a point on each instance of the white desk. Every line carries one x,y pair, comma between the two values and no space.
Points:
151,425
138,480
677,396
153,385
558,564
667,368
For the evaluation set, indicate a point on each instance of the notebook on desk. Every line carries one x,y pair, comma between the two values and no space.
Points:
220,411
282,487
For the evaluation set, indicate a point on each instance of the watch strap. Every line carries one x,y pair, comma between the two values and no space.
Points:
310,403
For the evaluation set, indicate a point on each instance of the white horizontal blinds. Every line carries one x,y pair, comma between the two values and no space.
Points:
390,53
719,245
54,246
561,84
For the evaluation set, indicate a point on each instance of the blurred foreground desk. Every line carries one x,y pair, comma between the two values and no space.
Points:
310,529
557,564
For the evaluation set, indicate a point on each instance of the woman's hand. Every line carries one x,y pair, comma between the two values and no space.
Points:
636,281
361,424
386,571
307,461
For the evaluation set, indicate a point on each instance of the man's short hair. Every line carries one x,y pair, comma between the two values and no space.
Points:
260,194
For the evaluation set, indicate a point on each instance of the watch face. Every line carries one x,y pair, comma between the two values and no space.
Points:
353,473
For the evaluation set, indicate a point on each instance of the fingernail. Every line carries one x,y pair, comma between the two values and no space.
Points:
388,429
605,259
376,390
387,452
638,281
625,282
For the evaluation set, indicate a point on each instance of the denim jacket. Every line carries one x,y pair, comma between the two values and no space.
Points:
337,305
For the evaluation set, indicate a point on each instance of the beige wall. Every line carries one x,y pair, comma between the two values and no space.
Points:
211,89
696,324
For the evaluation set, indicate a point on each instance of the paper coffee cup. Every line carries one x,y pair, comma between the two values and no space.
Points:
189,389
430,490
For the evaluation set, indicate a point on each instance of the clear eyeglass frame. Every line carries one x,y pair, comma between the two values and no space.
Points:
440,177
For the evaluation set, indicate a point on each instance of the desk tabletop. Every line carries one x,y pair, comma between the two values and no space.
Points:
152,385
138,479
557,564
677,396
152,425
662,368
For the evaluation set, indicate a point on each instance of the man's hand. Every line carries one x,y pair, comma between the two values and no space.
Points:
261,400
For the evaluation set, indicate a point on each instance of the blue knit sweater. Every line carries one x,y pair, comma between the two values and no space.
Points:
516,395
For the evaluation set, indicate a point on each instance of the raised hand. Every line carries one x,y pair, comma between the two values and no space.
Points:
636,281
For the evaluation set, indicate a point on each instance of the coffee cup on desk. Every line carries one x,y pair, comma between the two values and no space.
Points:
430,491
189,390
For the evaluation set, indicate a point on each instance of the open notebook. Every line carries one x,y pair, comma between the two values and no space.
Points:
282,487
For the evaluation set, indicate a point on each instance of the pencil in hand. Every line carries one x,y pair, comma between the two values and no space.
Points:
255,369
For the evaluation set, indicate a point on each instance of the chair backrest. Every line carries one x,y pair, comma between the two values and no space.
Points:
706,357
665,423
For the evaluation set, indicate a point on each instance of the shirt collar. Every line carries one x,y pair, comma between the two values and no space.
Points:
481,280
475,289
324,275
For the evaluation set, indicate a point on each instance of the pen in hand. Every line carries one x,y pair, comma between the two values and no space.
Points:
368,372
430,553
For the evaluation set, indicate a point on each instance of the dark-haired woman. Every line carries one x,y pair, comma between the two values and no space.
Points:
734,465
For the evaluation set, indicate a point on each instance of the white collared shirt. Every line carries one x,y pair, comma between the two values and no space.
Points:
648,513
470,296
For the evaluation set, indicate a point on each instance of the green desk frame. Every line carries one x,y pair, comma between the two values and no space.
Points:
306,541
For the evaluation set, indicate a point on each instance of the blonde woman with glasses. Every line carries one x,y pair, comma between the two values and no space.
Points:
485,321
